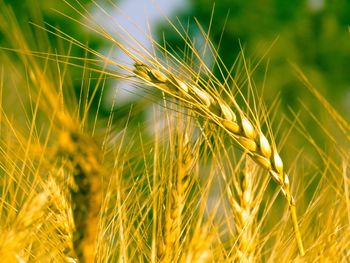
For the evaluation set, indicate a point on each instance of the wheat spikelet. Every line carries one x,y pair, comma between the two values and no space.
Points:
240,128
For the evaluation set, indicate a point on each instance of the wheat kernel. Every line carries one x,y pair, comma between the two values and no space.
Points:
158,76
248,144
286,181
263,161
265,146
182,85
245,216
248,128
231,126
277,162
202,95
247,198
142,75
227,112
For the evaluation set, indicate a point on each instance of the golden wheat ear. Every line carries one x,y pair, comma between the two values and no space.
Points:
235,123
85,166
177,196
245,206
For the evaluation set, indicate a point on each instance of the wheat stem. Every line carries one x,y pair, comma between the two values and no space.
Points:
296,230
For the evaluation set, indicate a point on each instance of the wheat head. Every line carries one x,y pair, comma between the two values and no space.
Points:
234,122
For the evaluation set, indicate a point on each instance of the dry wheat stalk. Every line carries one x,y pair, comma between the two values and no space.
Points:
236,123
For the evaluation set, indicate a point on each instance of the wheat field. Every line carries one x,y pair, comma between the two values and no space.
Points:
214,175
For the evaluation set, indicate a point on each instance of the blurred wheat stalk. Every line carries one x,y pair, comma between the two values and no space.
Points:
79,187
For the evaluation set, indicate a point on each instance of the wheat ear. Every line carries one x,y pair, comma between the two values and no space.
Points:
198,250
86,192
244,211
26,224
237,124
177,194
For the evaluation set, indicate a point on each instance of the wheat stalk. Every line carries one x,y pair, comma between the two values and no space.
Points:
235,123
